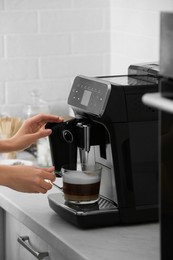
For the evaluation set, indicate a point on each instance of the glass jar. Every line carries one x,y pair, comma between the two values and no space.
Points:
37,106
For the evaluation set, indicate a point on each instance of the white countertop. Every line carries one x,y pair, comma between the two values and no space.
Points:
140,242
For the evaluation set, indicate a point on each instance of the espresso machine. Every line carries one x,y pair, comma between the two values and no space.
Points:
114,129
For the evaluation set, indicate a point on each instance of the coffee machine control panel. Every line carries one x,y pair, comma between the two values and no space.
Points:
89,95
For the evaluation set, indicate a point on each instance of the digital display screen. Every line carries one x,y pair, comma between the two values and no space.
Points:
86,97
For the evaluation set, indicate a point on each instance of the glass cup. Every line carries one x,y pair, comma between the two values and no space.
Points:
81,185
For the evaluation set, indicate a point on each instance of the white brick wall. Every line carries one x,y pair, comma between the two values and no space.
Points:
44,44
37,45
36,4
18,69
71,20
1,47
135,32
17,22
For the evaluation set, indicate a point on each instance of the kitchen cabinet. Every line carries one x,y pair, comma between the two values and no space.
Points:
2,234
25,214
15,231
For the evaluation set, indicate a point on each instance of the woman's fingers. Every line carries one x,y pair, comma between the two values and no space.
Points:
45,178
46,184
48,174
42,119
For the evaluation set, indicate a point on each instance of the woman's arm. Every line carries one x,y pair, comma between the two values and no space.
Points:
32,129
27,178
6,146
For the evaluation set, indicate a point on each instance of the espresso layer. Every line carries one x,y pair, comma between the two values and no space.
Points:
81,192
80,198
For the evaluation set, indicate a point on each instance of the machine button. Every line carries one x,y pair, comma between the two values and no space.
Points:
68,137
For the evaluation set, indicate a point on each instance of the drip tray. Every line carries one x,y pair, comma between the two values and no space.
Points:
103,213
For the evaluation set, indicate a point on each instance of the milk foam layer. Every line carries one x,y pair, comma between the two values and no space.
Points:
76,177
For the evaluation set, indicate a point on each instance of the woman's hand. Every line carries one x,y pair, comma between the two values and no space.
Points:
27,178
32,129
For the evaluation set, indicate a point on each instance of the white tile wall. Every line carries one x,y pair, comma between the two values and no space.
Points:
44,44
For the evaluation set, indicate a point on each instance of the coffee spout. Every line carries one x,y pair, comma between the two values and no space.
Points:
84,150
83,156
86,138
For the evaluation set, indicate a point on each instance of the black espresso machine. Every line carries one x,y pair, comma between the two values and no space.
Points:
114,129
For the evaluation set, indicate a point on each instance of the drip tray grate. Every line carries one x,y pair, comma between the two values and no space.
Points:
102,205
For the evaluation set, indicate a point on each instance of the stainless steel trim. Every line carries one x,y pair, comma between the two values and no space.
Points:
38,255
157,101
